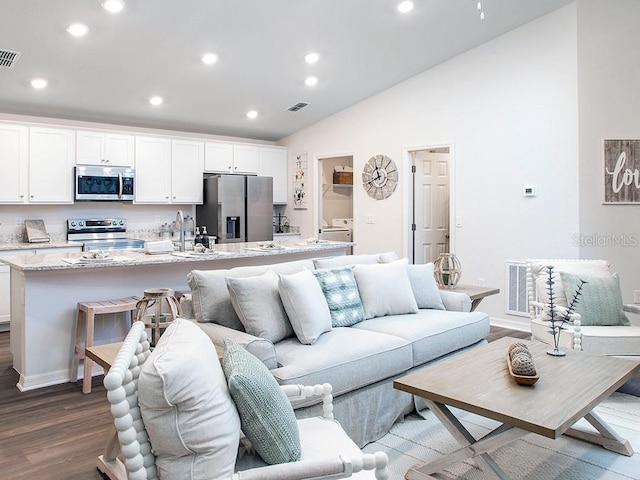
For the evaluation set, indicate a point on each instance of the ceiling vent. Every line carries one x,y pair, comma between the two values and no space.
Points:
297,106
8,58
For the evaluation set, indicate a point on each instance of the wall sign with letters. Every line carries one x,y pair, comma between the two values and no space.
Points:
621,171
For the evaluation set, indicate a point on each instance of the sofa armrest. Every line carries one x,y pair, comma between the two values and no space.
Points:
455,301
300,392
262,348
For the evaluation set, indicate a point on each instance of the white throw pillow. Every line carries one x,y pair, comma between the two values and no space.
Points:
424,286
385,289
257,302
305,305
186,406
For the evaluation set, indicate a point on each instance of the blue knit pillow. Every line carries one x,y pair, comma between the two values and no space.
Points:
341,292
266,415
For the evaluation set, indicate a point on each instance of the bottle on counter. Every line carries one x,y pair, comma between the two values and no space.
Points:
205,237
165,231
198,237
189,228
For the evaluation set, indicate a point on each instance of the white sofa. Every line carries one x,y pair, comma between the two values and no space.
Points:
359,361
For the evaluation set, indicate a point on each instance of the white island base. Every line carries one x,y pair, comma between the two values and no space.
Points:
45,292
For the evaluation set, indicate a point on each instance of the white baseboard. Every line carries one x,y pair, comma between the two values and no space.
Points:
520,325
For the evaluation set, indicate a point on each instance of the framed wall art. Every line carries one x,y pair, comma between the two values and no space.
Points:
300,181
621,171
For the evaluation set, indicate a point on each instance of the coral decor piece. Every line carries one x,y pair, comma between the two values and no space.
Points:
557,318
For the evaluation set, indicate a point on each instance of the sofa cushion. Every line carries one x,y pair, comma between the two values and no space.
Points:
305,305
342,260
341,292
385,289
432,333
185,404
257,302
600,302
345,357
266,415
424,286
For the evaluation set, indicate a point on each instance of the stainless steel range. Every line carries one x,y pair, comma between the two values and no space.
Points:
102,234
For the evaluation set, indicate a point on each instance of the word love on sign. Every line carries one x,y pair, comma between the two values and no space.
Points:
622,171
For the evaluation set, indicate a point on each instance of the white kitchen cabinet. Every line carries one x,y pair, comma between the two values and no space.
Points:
51,159
14,163
231,158
273,163
153,170
104,148
187,165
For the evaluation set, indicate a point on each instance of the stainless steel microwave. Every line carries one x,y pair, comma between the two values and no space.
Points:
104,184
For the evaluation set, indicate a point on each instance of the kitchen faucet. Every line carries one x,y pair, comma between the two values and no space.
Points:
180,222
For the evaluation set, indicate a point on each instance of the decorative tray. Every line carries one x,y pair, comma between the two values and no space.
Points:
521,379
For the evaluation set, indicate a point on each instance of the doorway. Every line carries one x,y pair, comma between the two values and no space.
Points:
430,234
335,205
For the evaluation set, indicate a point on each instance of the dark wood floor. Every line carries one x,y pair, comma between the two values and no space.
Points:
57,432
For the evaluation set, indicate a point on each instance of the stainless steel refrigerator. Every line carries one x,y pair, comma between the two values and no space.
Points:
237,208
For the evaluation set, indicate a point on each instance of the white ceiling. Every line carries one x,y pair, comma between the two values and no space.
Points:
153,47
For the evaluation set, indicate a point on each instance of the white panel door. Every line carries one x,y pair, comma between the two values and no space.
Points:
14,163
187,164
431,205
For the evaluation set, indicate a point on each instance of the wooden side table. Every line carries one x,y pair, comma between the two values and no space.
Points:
108,463
475,293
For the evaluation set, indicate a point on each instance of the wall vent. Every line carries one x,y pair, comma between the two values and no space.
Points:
517,300
297,106
8,58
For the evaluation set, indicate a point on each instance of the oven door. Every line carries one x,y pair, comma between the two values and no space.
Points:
94,183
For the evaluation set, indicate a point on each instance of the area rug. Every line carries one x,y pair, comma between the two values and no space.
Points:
532,457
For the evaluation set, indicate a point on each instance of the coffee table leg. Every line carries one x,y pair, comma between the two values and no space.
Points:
607,436
471,448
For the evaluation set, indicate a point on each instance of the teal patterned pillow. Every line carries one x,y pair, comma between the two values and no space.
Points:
341,292
266,415
601,300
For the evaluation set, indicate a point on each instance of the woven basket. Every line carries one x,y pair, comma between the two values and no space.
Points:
343,178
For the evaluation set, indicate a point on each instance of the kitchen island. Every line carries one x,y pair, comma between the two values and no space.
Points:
46,288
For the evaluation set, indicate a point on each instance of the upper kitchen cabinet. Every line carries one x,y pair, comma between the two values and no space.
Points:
14,163
52,154
230,158
153,170
104,148
187,164
273,163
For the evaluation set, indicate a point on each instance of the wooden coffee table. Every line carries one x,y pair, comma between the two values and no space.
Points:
478,381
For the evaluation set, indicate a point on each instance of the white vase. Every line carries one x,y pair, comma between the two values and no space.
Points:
447,270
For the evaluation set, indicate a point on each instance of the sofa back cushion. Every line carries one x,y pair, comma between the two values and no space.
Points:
342,260
385,289
258,305
186,407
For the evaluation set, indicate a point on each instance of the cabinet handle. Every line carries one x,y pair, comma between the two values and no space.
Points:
31,196
235,168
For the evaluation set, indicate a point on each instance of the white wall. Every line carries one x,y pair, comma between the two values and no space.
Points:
509,109
609,96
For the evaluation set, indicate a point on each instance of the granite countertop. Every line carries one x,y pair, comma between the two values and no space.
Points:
126,258
37,245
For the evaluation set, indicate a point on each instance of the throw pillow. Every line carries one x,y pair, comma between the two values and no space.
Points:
257,302
385,289
186,407
341,292
266,415
305,305
601,300
424,286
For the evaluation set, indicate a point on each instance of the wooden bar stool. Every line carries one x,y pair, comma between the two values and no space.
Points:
87,312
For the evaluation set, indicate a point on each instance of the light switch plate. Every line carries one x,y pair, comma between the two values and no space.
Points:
458,220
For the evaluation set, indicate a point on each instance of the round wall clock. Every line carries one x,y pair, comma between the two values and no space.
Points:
380,177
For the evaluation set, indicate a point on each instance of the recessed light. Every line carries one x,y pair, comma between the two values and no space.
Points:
155,101
405,7
310,81
312,57
38,83
252,114
113,6
209,58
78,29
